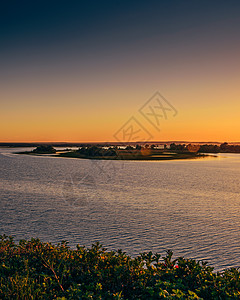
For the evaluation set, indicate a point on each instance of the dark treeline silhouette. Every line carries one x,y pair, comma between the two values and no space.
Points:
44,149
207,148
178,147
94,151
223,148
98,150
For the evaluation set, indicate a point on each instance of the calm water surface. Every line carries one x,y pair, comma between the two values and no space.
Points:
191,207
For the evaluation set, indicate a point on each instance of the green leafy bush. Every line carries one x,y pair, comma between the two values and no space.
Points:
37,270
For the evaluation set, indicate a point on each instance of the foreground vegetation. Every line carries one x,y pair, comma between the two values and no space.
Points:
37,270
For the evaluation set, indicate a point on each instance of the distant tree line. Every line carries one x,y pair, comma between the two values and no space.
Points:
207,148
223,148
100,151
94,151
44,149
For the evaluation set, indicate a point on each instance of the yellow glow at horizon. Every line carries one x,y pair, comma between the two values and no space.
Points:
206,111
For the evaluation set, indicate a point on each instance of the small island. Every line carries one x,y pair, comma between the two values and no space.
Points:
44,149
41,149
123,152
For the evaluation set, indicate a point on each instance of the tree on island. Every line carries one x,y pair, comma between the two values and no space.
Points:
96,151
224,147
178,147
129,148
44,149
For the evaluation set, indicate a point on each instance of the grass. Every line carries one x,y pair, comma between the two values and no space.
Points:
37,270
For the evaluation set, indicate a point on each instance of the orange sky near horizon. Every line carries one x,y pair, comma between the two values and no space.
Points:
93,109
90,121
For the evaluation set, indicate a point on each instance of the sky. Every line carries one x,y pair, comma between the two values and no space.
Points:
79,71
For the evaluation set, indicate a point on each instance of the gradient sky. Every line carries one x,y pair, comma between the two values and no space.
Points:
78,70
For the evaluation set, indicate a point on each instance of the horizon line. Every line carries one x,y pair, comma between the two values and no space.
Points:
115,142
